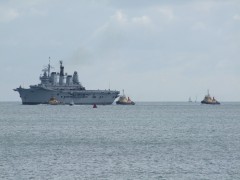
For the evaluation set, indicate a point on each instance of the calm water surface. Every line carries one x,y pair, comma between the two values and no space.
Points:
145,141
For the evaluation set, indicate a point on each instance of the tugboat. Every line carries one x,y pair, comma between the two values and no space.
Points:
209,100
123,100
53,101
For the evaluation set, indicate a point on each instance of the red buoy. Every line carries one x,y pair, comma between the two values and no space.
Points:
94,106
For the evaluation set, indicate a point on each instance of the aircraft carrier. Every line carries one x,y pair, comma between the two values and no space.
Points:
65,88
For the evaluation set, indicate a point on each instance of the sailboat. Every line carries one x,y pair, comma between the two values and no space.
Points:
196,99
189,100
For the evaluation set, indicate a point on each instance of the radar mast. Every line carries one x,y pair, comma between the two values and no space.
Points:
47,69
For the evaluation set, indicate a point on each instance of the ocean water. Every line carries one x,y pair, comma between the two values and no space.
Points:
145,141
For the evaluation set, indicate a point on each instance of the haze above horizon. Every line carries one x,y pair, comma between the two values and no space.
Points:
154,50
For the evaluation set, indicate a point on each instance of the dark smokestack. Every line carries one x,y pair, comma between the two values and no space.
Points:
61,69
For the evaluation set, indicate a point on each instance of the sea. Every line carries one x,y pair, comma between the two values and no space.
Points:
150,140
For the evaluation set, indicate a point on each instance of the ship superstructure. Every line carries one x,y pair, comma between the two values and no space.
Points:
65,88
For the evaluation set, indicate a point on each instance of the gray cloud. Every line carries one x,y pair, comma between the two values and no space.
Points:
157,50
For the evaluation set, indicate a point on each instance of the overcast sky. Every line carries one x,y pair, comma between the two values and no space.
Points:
156,50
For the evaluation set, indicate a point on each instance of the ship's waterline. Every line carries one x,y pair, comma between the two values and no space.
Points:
65,88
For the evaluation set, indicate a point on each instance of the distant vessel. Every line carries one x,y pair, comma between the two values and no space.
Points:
71,103
123,100
53,101
196,99
209,100
65,88
189,100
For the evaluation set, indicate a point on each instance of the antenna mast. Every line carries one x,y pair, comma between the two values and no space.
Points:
49,66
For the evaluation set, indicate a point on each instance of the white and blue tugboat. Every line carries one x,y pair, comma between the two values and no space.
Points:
209,100
124,100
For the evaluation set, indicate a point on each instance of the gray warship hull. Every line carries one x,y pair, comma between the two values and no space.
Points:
41,96
66,92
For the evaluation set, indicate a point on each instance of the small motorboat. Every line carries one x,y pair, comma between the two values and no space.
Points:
53,101
71,103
